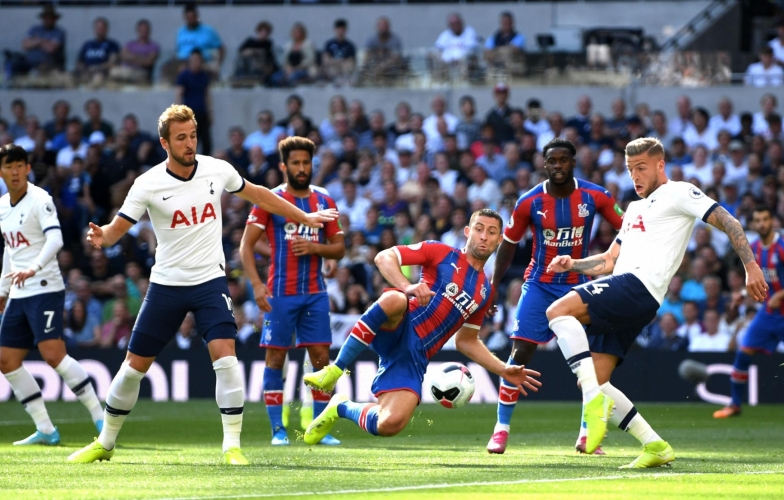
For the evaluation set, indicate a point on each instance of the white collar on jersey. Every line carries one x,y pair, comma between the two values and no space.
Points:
544,185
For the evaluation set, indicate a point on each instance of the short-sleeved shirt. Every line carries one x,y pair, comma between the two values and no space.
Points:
95,52
38,56
24,227
560,226
463,294
289,274
656,231
195,87
140,49
340,49
186,218
203,37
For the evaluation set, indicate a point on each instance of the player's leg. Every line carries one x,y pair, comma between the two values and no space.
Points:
522,353
275,358
386,418
306,396
385,314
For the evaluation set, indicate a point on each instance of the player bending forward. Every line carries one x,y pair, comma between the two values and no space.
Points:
183,198
642,260
34,314
409,324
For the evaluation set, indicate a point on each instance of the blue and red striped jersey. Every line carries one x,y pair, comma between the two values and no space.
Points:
771,259
561,226
289,274
462,294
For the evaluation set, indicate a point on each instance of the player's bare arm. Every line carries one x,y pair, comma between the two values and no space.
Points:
108,234
503,260
269,201
755,281
389,266
467,342
250,238
595,265
335,248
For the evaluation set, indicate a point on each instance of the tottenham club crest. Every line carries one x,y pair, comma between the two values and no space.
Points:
483,292
290,228
452,289
582,210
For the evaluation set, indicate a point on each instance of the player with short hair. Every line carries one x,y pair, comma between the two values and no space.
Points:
642,259
182,196
295,298
408,324
32,297
560,212
767,328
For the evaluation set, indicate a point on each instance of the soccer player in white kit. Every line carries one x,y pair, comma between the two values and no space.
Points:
32,281
182,195
642,259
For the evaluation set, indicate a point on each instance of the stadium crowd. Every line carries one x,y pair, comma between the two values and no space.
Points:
413,177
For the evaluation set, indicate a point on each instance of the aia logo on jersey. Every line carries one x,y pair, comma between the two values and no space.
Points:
636,224
460,299
565,237
15,240
180,217
300,231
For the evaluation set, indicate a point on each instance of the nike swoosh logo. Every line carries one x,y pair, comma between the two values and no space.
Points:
47,330
167,197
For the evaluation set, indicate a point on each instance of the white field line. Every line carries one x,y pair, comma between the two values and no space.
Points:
7,423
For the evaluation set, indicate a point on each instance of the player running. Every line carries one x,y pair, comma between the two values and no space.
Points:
182,195
642,259
410,323
560,212
33,317
296,300
767,328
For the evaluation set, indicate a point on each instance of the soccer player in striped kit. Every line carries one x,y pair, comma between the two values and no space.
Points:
408,324
560,212
295,298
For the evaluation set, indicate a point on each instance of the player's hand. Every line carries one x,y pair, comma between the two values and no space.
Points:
421,291
755,282
492,309
330,269
560,264
3,301
95,236
18,278
318,219
522,378
302,247
262,294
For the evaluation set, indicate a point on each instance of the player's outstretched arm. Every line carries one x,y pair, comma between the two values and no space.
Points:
109,234
389,266
467,342
603,263
247,254
269,201
755,281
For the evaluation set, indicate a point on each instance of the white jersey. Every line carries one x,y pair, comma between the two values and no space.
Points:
186,218
656,231
24,228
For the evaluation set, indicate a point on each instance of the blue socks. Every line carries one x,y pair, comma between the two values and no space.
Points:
739,378
365,415
273,397
507,399
361,335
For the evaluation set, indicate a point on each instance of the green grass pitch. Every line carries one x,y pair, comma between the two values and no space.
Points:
172,451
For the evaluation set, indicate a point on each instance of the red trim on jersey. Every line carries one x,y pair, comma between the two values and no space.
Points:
379,393
322,397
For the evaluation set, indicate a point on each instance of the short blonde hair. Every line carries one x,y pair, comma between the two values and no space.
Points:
650,145
174,113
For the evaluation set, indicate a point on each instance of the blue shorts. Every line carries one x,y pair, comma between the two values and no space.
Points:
165,307
402,361
306,315
30,320
620,307
531,322
765,331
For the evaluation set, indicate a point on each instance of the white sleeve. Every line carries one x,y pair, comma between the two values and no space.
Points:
690,200
234,183
136,202
5,283
47,216
53,244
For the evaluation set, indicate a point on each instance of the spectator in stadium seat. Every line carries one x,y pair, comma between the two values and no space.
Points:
44,45
725,119
693,288
491,160
237,153
138,57
659,128
498,116
119,290
193,90
76,146
455,237
557,130
339,57
117,330
384,54
355,207
81,328
98,56
535,121
294,107
682,121
267,136
617,124
777,44
56,127
95,121
299,59
710,339
700,168
337,106
699,133
18,127
775,132
467,129
483,188
663,335
197,35
27,140
257,55
458,42
187,337
581,122
506,47
401,125
140,143
765,73
430,125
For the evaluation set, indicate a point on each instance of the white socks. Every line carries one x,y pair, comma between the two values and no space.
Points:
28,393
122,397
626,417
76,378
230,396
501,427
574,346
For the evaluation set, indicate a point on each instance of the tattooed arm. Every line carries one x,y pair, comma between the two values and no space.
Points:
603,263
755,281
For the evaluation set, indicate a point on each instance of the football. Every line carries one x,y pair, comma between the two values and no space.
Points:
452,385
